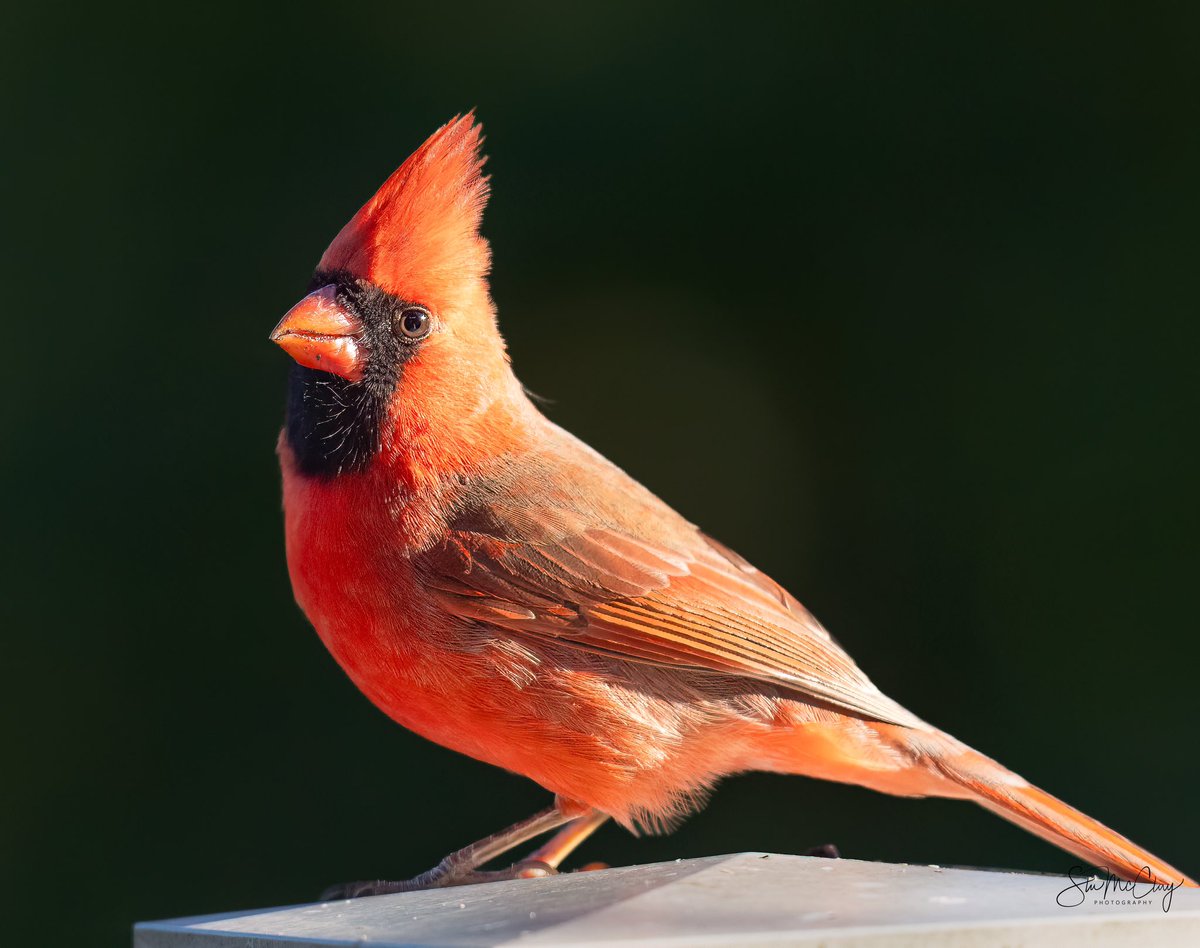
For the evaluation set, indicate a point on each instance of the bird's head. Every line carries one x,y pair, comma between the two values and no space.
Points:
396,342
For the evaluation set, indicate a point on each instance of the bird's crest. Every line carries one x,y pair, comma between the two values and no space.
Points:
418,237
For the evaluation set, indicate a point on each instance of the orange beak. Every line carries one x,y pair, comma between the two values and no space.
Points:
319,333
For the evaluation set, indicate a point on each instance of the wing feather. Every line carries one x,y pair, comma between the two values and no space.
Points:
631,579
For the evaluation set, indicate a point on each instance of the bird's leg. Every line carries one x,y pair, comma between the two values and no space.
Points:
460,867
546,859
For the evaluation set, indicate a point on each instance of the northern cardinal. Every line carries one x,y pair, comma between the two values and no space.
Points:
495,585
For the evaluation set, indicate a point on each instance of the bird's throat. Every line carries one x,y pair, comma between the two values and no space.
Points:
333,426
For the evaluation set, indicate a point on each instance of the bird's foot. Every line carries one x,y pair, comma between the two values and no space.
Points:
439,879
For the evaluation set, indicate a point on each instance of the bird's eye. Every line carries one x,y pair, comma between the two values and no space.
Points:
414,322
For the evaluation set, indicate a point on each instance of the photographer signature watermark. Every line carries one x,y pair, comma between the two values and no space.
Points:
1105,888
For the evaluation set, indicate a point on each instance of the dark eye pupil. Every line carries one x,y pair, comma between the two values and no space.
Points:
414,322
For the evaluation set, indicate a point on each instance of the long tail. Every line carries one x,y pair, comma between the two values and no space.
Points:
1017,800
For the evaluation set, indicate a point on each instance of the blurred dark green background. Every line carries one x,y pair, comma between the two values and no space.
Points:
901,305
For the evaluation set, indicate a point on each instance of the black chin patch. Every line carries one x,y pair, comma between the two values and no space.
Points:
335,426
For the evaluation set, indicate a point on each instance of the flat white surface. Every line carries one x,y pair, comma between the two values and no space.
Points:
745,899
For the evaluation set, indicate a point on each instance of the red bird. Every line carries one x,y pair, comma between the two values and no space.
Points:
495,585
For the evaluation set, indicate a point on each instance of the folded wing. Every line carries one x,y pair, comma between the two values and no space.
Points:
631,579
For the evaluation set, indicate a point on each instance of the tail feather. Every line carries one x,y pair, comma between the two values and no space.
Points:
1015,799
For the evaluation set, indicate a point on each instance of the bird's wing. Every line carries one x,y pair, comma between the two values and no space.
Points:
587,557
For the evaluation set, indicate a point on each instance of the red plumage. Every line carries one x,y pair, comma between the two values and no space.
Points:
418,236
495,585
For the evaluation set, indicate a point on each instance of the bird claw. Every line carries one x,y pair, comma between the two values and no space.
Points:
352,890
525,869
533,869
